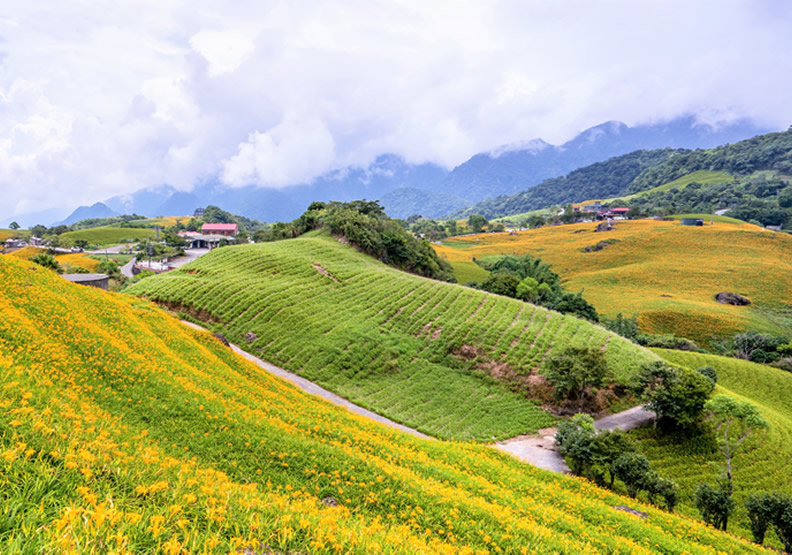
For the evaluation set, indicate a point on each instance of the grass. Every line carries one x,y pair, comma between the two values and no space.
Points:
708,218
466,272
108,236
436,356
704,177
123,430
666,273
764,466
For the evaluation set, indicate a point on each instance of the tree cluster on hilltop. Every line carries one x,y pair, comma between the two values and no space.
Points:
365,225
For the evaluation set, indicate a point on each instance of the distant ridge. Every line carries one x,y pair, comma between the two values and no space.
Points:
96,210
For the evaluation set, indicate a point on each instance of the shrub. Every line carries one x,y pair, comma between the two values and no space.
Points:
47,261
763,510
632,469
676,395
709,373
715,504
758,347
574,371
626,327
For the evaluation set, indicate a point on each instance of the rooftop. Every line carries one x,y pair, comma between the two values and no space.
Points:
220,227
78,278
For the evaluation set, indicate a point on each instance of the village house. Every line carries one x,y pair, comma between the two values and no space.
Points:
226,230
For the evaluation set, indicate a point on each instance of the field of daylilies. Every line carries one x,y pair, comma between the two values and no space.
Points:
666,273
765,465
432,355
121,430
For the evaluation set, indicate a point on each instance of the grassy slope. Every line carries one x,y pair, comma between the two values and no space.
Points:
689,265
704,177
121,429
106,236
764,466
380,337
710,217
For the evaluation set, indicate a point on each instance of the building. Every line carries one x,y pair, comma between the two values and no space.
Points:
226,230
92,280
15,244
205,241
593,207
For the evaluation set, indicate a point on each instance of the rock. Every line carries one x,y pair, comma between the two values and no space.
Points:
330,502
627,509
598,247
604,226
251,337
222,339
731,298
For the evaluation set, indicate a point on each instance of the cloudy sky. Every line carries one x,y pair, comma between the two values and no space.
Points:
102,98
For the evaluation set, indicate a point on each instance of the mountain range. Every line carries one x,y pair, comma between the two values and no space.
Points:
427,189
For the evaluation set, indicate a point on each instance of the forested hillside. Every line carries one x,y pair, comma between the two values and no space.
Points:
761,188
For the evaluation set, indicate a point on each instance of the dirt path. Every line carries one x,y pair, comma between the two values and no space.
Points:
539,449
314,389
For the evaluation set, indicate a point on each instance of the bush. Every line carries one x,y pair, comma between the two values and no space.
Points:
626,327
574,371
714,504
676,395
632,469
758,347
47,261
763,510
709,373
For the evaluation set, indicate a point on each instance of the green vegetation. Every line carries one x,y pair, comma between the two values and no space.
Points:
107,236
122,429
694,457
469,272
448,360
709,218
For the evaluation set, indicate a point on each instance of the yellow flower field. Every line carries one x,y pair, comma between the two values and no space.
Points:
667,273
79,260
123,431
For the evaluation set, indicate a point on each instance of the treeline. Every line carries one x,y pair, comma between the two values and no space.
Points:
365,225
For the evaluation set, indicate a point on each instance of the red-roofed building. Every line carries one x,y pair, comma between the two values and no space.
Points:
227,230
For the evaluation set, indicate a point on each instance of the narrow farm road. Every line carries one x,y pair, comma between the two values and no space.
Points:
314,389
539,449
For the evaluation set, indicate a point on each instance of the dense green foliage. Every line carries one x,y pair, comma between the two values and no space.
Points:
677,395
446,359
531,280
574,372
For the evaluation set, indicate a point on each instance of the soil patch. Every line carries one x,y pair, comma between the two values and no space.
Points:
324,272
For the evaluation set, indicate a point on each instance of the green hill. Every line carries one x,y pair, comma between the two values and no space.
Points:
442,358
105,236
765,464
122,430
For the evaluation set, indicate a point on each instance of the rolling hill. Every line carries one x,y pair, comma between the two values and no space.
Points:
104,236
665,273
439,357
765,465
123,430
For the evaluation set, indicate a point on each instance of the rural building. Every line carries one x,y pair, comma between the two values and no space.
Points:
226,230
92,280
593,207
205,241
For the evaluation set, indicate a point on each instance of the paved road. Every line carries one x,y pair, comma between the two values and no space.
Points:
314,389
126,269
540,450
189,256
118,249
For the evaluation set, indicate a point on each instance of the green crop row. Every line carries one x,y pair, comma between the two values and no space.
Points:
413,349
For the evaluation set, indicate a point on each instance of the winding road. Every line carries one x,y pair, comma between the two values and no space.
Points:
536,449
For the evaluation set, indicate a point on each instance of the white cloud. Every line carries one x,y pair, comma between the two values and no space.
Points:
97,102
224,50
295,151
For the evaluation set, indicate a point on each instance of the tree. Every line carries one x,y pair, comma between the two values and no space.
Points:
38,230
715,504
476,222
626,327
574,371
632,469
574,440
81,243
501,283
734,421
47,261
763,510
758,347
14,226
676,395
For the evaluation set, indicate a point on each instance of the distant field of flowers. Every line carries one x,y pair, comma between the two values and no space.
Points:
667,273
123,431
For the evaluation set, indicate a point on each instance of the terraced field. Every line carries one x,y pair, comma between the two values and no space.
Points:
766,465
432,355
107,236
667,273
121,430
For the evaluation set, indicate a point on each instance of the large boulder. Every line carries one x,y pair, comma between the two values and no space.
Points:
731,298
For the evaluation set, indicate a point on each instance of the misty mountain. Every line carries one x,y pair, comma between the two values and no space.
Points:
514,168
428,189
96,210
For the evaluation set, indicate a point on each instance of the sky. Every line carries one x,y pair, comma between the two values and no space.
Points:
105,98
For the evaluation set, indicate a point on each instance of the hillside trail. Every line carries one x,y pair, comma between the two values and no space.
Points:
314,389
536,449
539,449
